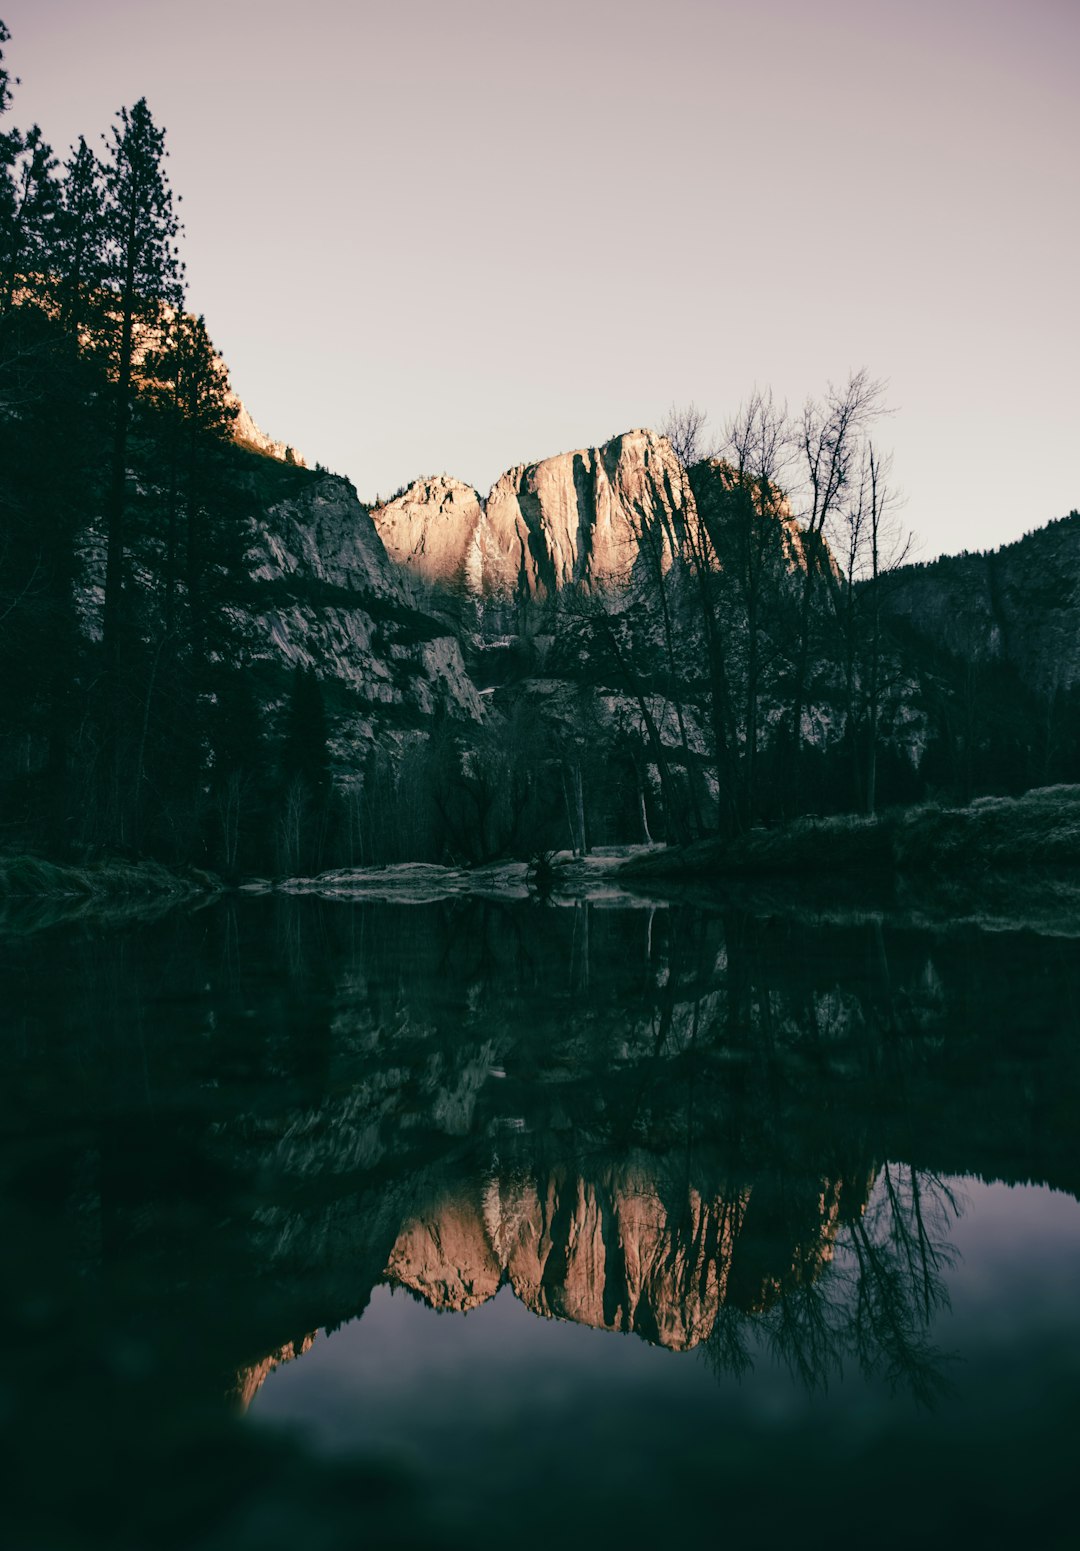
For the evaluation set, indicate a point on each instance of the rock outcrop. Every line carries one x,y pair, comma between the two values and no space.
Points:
252,436
326,596
433,531
576,519
440,597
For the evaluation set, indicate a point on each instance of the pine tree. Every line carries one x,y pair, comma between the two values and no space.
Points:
142,270
189,384
78,246
7,141
31,210
27,211
185,384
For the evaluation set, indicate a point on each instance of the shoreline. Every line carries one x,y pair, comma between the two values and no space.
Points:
1008,836
24,877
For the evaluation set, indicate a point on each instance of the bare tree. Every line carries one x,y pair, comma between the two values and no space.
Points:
702,551
658,546
609,634
830,437
871,544
684,427
758,447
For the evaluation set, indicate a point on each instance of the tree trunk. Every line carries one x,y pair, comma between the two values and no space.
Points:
112,619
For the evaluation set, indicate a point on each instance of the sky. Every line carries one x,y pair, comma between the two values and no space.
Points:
449,236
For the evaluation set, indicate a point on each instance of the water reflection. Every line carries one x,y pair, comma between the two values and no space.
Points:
731,1131
624,1250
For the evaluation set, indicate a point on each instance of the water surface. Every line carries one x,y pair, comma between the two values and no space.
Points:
357,1224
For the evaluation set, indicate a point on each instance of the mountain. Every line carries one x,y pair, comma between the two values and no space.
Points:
1017,606
608,593
324,595
250,435
570,521
607,647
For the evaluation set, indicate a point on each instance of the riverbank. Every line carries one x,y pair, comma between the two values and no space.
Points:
37,895
563,878
992,835
32,877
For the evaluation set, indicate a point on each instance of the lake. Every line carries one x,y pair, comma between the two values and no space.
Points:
336,1224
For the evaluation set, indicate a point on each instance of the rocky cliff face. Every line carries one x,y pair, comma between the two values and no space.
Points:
248,434
440,598
432,530
575,519
326,596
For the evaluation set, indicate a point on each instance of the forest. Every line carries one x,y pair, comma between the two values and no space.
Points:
750,666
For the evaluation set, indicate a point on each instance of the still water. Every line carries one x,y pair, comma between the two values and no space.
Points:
340,1225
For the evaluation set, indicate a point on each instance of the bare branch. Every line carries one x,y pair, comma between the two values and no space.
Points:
684,427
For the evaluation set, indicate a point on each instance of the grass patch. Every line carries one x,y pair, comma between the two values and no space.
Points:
1040,829
993,834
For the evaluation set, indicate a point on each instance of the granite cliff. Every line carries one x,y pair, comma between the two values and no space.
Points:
325,596
444,605
574,520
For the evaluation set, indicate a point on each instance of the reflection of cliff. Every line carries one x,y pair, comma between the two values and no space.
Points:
660,1100
607,1252
250,1380
615,1251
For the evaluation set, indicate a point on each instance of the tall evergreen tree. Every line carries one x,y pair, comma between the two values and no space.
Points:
192,412
7,141
5,77
78,246
30,212
189,383
143,272
27,211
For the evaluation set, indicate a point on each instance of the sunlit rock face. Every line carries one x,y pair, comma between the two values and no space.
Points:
578,518
608,1252
433,530
248,434
572,520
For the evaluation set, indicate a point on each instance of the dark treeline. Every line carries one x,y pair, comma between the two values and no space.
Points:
128,717
137,714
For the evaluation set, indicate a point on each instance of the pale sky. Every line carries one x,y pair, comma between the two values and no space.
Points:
454,235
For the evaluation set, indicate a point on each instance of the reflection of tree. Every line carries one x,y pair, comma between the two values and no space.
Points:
874,1306
900,1250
